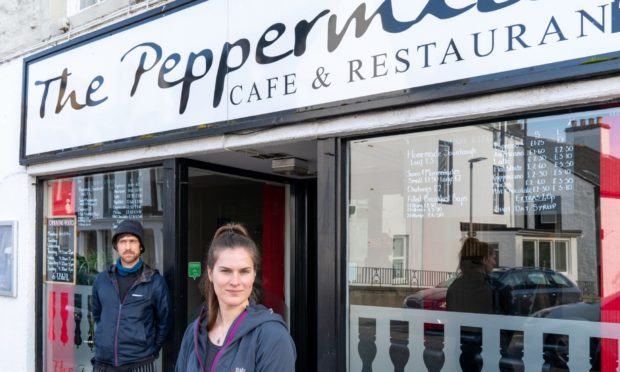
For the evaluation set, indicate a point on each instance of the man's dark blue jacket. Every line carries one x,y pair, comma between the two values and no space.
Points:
134,330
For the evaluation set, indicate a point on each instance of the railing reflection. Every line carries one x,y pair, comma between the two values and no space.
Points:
392,339
385,276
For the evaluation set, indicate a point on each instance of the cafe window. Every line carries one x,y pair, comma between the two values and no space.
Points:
80,214
541,197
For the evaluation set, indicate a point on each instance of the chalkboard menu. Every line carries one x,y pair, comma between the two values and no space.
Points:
60,250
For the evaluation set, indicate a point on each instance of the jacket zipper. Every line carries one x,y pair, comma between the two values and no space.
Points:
138,281
118,322
230,337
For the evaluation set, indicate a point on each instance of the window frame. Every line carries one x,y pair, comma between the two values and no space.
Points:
403,259
553,263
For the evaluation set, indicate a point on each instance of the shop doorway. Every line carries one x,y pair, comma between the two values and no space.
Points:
214,199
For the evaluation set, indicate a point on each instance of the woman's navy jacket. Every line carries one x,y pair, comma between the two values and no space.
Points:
135,329
257,341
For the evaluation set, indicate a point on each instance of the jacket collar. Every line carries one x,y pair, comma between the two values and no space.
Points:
146,276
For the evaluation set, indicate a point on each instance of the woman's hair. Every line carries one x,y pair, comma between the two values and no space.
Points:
229,236
472,254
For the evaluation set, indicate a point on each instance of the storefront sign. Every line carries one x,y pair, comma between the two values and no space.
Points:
60,250
216,63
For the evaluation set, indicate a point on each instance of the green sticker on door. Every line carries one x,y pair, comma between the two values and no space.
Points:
194,270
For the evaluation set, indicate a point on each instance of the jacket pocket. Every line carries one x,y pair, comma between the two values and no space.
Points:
103,343
136,335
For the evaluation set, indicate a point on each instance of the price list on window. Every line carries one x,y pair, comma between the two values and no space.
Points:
424,179
534,175
548,174
89,191
127,203
60,250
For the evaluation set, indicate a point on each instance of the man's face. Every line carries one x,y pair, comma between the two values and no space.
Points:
128,247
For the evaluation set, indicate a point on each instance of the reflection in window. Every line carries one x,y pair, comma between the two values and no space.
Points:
538,200
499,180
399,256
561,256
444,173
550,254
499,135
544,254
495,249
529,253
92,205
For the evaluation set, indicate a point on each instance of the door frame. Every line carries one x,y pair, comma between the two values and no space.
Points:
302,228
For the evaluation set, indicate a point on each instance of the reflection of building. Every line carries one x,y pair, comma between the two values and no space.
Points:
534,199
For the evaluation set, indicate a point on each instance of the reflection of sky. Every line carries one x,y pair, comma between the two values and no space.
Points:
553,127
614,134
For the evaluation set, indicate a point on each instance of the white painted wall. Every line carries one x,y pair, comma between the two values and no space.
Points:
17,203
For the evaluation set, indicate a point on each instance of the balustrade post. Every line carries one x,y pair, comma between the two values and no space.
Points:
366,347
399,340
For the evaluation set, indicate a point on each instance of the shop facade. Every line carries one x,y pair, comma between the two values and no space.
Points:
361,143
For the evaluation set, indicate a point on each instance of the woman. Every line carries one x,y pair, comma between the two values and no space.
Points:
475,291
232,332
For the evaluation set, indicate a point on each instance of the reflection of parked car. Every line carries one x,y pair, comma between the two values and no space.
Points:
592,312
582,310
531,289
429,298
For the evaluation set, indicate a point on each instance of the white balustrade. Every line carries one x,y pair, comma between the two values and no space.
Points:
579,333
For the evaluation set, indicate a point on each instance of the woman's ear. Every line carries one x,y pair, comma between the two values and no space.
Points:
209,272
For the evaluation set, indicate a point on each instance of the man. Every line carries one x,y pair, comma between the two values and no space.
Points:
131,307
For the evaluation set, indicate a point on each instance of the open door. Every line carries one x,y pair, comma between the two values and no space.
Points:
215,199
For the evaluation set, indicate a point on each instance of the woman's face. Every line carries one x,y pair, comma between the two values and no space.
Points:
233,276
